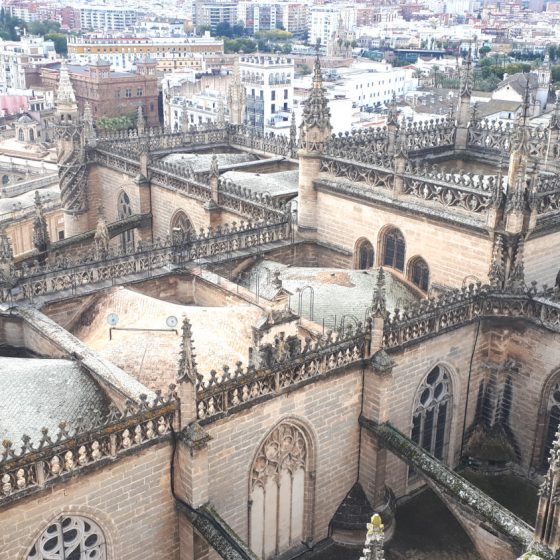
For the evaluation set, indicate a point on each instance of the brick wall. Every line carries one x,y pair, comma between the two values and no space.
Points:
130,500
542,258
450,253
329,408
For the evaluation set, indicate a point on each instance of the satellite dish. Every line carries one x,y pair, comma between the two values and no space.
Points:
171,322
112,319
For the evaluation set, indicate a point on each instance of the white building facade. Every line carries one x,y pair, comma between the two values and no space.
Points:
268,82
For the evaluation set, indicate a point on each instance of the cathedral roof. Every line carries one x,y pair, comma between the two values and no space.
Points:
281,183
39,393
336,292
221,335
202,162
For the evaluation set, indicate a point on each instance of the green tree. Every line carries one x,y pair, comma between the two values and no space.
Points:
122,122
484,50
60,41
10,27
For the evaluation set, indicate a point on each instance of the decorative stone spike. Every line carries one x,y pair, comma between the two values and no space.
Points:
41,239
187,364
379,302
496,275
102,237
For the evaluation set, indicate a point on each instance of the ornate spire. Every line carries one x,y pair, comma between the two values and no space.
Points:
236,96
522,133
65,93
90,136
516,278
467,78
392,112
187,363
379,302
496,275
6,253
316,125
101,237
555,116
40,230
6,260
140,120
221,115
373,549
293,136
547,527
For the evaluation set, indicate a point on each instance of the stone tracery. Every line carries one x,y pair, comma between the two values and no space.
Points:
70,538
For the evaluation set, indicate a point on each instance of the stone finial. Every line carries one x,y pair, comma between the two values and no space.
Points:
293,132
467,77
516,277
392,112
6,253
547,527
379,302
187,363
521,138
373,549
496,275
236,96
316,125
6,260
90,136
41,239
140,120
221,114
101,238
214,167
65,92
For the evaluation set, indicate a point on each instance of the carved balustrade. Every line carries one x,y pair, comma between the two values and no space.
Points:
435,133
256,206
491,135
545,197
145,259
280,366
117,159
36,465
459,308
469,191
379,174
358,144
270,143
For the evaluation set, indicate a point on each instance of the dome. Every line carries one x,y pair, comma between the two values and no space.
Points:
25,119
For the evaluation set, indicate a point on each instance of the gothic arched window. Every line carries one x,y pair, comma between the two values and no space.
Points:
31,135
365,254
181,227
70,538
21,136
432,410
419,273
552,421
277,491
394,249
125,211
